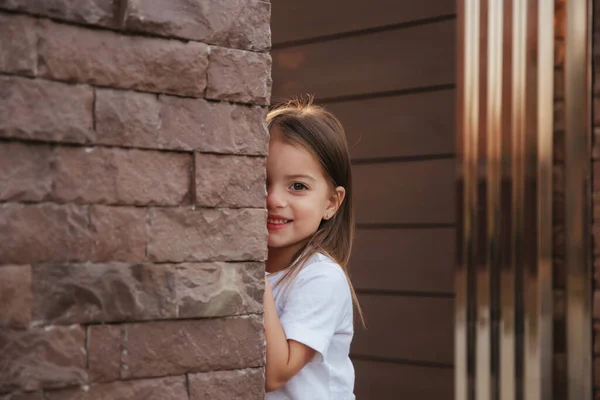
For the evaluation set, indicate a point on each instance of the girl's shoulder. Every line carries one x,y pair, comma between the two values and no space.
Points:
321,266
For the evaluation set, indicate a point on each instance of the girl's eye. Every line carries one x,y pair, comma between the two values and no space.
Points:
298,186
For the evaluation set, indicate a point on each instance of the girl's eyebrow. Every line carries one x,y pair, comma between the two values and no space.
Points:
301,176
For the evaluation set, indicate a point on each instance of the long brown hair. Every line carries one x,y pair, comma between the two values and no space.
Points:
315,129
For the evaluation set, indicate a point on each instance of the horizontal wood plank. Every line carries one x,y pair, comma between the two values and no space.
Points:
385,381
406,328
411,260
300,20
415,192
408,125
408,58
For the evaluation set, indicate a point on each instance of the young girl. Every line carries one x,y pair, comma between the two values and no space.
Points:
308,294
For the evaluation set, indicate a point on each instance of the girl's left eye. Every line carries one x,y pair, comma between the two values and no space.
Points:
298,186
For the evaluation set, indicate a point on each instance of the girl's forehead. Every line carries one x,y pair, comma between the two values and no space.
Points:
286,158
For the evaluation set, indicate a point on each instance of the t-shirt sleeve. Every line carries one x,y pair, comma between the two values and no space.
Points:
314,306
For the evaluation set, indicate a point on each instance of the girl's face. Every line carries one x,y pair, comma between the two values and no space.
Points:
298,194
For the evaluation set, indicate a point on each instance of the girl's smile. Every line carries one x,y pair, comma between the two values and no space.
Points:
275,222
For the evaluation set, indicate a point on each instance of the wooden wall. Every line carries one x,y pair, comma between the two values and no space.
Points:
387,70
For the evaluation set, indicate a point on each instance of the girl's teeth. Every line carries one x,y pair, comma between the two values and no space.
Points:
278,221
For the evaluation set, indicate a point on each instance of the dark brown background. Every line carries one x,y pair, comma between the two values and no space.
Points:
387,70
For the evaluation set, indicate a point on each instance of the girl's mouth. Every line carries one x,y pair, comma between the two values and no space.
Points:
277,223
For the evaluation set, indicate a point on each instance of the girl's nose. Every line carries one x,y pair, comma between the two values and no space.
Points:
275,199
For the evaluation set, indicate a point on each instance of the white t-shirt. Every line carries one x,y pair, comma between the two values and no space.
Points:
316,310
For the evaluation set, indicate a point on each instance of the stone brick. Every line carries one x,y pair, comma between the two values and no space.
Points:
219,289
43,233
42,358
217,127
93,12
83,293
25,171
247,384
177,347
17,44
239,76
119,233
43,110
127,118
230,181
105,58
168,388
23,396
105,347
15,296
121,176
242,24
178,235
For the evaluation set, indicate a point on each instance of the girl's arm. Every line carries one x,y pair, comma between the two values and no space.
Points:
285,358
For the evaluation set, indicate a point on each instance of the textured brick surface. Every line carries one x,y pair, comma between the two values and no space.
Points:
127,118
239,76
178,235
94,12
24,396
173,347
228,181
43,233
106,344
190,124
168,388
81,293
219,289
37,358
120,176
247,384
17,44
132,196
119,233
242,24
26,174
15,296
43,110
106,58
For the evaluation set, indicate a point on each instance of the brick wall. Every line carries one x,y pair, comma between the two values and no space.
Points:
132,198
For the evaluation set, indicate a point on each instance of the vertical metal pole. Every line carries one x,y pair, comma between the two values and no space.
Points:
577,198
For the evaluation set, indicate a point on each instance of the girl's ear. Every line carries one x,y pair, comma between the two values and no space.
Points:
335,202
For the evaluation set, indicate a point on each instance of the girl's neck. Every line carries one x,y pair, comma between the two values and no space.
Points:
280,258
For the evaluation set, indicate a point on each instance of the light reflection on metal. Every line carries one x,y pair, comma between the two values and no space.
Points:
538,202
577,198
504,281
467,124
